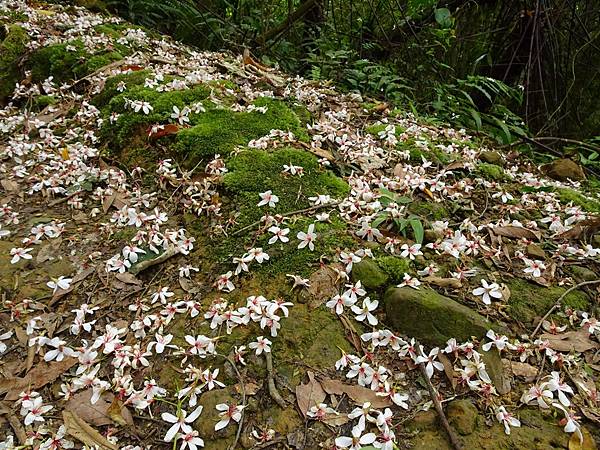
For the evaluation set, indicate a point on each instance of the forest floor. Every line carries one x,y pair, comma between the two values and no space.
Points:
197,250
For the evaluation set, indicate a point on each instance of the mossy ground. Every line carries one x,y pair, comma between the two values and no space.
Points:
586,202
491,172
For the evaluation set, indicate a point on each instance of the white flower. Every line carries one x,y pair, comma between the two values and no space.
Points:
572,425
365,312
3,233
279,234
33,410
538,393
191,440
535,268
261,344
4,337
180,116
411,251
180,422
356,441
487,291
410,282
506,419
555,385
268,198
500,342
19,253
228,412
320,411
307,238
429,361
59,283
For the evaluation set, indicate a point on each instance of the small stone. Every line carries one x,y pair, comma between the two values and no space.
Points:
492,158
432,318
535,251
463,416
563,169
370,274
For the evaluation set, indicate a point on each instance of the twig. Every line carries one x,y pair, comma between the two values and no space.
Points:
58,201
275,395
456,444
290,213
557,304
270,443
171,251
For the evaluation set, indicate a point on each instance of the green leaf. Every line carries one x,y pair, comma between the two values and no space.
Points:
418,231
443,17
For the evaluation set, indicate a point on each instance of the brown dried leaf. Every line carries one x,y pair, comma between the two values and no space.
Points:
309,394
578,341
323,286
39,376
335,420
515,233
357,393
189,286
523,370
100,413
128,278
83,432
9,185
448,369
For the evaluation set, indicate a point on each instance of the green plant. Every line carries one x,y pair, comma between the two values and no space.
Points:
401,224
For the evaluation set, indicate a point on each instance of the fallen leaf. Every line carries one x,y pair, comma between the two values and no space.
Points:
39,376
515,233
166,130
588,442
309,394
357,393
128,278
47,251
83,432
323,286
578,341
189,286
100,413
448,369
335,420
9,185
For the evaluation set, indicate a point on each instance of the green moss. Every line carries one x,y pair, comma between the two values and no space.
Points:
254,171
131,79
63,64
491,171
587,203
528,301
12,48
370,274
429,210
41,101
222,130
395,267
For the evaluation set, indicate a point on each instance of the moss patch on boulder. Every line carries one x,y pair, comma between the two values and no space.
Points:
528,301
370,274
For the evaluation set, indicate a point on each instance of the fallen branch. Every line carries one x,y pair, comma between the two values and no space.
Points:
557,304
171,251
456,444
275,395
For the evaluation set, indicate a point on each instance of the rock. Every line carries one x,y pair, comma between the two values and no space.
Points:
535,251
370,274
583,273
495,369
463,416
491,157
563,169
432,318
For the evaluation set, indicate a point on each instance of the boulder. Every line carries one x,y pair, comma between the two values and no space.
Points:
563,169
583,273
432,318
370,274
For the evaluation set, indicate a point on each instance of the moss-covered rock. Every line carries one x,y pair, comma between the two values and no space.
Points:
12,48
394,266
491,171
463,416
370,274
431,317
581,273
586,202
563,169
529,301
491,157
205,424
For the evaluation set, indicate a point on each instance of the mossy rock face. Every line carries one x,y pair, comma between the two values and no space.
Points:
431,317
394,266
491,157
205,424
370,274
583,273
12,48
429,210
529,301
539,431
